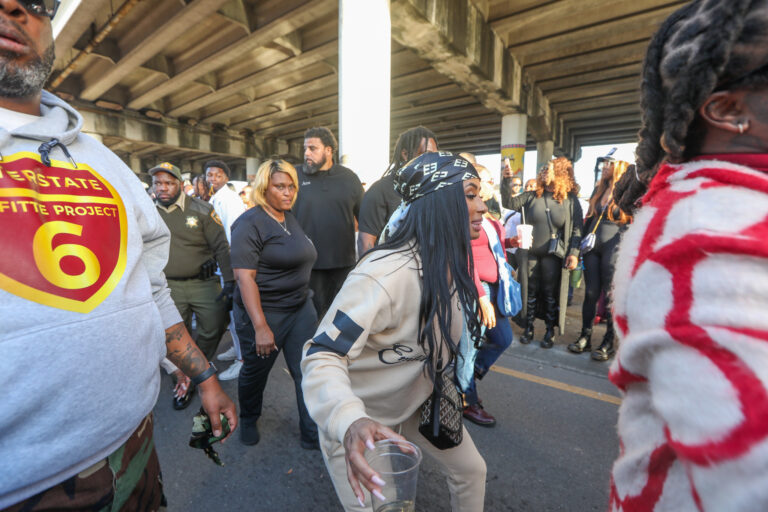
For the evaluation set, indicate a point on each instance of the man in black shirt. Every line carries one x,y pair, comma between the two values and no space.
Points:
327,206
381,200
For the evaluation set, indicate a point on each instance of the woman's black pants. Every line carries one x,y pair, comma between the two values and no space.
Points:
544,272
599,264
291,330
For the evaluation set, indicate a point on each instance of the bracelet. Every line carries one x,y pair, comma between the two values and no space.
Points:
208,373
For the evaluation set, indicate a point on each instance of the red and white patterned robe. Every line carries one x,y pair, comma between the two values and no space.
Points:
691,306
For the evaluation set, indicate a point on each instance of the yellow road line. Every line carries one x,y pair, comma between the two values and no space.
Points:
611,399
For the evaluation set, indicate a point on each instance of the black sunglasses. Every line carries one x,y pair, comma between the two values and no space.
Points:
46,8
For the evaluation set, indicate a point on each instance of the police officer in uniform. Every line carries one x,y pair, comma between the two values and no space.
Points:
198,244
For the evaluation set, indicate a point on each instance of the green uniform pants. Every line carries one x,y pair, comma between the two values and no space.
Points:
198,296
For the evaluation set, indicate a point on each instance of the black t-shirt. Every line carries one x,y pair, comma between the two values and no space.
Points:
283,262
327,205
379,202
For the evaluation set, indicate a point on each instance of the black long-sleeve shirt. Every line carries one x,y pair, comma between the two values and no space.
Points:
534,209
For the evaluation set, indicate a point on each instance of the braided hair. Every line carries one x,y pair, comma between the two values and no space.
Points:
410,142
704,47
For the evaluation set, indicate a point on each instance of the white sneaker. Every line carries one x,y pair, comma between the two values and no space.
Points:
232,372
228,355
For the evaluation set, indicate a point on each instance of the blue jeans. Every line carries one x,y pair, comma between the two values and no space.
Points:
496,341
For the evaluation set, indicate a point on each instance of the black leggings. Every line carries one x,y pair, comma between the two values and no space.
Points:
544,272
599,264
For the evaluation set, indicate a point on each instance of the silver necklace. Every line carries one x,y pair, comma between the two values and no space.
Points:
283,224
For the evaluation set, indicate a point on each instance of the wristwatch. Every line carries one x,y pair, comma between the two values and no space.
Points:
199,379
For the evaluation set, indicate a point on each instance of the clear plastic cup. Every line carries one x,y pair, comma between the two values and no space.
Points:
525,235
397,463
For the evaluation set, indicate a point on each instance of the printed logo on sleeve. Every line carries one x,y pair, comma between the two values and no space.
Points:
65,243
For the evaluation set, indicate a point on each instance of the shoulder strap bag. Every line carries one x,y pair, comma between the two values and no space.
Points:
556,246
588,243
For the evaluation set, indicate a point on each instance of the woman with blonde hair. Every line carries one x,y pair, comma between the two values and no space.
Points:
606,222
555,213
272,260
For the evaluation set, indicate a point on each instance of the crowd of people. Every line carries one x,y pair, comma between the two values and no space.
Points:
390,305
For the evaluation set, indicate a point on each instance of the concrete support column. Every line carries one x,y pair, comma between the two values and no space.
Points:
136,164
364,86
251,166
514,130
544,152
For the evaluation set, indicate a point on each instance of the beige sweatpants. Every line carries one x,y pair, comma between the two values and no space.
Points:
463,468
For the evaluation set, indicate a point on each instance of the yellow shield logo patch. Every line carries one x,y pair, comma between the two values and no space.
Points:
67,233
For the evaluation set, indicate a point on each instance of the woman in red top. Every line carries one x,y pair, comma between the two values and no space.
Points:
499,333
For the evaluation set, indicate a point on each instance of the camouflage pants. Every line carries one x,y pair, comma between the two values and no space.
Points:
128,480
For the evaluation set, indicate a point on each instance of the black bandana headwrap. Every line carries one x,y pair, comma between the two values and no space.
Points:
424,175
431,171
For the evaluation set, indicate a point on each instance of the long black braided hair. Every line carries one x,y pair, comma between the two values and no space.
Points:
704,47
409,142
437,228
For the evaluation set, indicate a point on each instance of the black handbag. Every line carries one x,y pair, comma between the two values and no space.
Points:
441,414
556,246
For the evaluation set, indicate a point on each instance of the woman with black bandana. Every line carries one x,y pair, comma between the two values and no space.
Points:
397,320
691,283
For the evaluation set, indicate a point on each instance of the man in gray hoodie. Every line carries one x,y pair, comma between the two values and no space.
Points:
81,260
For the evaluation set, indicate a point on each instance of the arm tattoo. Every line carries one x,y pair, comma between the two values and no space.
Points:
190,360
175,333
187,356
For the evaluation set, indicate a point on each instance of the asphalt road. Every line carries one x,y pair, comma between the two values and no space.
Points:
551,450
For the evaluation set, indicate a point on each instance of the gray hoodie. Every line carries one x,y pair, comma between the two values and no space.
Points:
83,302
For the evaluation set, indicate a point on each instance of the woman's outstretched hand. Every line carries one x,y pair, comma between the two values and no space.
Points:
361,435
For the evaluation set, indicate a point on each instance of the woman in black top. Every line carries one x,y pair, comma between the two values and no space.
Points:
272,260
607,222
554,211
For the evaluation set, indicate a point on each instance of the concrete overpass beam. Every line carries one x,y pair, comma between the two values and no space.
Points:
455,39
135,129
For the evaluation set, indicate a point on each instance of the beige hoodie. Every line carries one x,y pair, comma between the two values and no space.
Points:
365,360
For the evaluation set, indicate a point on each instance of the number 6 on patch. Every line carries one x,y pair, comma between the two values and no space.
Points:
48,259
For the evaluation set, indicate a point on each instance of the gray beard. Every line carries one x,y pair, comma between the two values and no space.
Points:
22,82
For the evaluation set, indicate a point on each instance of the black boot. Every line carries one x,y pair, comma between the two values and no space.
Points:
583,344
549,337
530,312
606,349
550,318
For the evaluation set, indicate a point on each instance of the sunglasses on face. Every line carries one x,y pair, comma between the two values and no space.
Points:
46,8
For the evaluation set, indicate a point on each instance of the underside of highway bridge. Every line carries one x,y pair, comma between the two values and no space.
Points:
187,80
